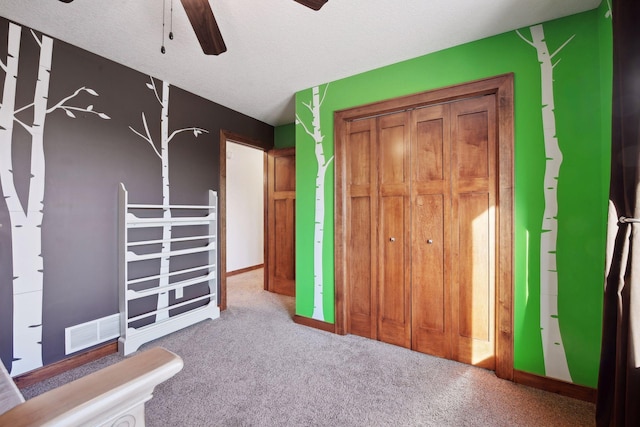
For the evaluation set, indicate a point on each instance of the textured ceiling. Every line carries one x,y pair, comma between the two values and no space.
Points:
277,47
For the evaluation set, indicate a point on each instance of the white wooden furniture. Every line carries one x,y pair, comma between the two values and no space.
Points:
113,396
200,277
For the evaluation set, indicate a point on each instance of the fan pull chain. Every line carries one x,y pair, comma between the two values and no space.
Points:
171,23
162,49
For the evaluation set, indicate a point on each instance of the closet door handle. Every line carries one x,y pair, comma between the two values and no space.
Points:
430,241
392,239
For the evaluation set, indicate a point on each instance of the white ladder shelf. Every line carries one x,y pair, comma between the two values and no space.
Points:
205,306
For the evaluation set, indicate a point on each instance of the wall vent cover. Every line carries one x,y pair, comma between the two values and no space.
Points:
94,332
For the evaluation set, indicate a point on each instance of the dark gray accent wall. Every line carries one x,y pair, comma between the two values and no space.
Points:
86,158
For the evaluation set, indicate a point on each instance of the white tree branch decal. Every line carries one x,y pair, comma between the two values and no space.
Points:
163,154
555,360
26,218
315,132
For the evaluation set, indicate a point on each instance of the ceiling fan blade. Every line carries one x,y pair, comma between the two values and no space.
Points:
313,4
205,26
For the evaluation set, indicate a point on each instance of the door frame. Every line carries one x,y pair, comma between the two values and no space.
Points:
500,86
228,136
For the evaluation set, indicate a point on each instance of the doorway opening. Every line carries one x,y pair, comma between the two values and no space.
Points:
241,140
245,208
261,233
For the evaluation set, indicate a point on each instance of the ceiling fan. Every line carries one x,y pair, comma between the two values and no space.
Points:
206,28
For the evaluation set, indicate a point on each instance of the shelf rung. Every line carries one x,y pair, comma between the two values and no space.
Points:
131,294
136,222
173,273
176,239
154,312
132,256
143,206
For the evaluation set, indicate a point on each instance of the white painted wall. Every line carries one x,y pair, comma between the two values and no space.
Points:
245,207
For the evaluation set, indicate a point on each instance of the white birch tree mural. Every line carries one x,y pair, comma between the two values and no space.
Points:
165,138
555,360
315,132
26,215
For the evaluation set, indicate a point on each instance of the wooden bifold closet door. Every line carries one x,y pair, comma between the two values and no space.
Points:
421,221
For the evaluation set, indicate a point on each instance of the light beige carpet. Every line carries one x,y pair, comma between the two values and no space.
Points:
255,367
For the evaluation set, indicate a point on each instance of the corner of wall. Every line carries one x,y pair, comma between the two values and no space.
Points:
285,136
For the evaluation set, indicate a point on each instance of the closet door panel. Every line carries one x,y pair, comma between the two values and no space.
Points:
360,146
473,202
394,309
393,159
473,144
362,313
394,292
429,277
430,156
429,151
428,266
473,292
362,231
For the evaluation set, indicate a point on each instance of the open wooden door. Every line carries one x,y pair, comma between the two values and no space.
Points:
280,240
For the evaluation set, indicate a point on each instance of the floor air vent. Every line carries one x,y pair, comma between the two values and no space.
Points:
94,332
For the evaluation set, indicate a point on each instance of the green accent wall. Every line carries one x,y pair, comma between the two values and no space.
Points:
284,136
582,91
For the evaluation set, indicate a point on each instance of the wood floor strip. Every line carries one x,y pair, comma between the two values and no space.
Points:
312,323
49,371
244,270
575,391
